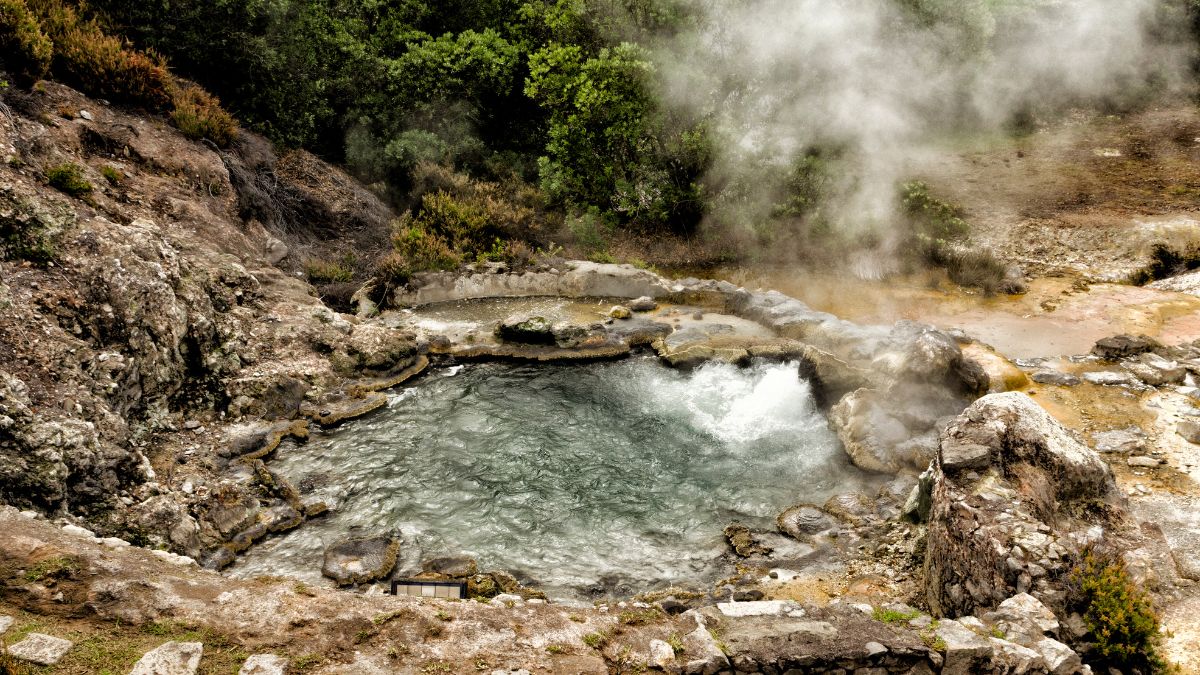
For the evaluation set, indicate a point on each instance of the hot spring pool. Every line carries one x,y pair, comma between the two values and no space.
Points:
580,478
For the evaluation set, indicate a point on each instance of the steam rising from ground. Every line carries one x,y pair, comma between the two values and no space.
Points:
881,80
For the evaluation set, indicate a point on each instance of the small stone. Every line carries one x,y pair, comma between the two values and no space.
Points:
620,312
1060,659
191,424
41,649
643,304
171,658
661,654
753,608
86,115
506,600
1109,378
1130,440
1055,377
79,531
874,648
1124,346
1189,430
264,664
5,623
1142,461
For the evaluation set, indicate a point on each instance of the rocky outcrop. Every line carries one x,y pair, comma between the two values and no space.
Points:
1014,494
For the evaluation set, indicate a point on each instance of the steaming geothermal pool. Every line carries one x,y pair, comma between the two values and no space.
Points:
581,478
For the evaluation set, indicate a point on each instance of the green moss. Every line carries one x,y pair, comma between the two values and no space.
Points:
893,617
59,567
639,617
68,178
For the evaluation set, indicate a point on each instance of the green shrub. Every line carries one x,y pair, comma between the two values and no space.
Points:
930,217
198,114
112,174
69,178
423,249
101,64
326,272
1120,617
24,50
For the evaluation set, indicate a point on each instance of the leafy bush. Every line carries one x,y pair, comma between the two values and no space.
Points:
24,50
199,115
1120,617
69,178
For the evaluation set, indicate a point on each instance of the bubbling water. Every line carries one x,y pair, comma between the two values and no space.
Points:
568,475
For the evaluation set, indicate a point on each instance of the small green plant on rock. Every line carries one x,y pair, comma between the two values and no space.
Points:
639,617
59,567
676,643
69,178
595,640
113,175
893,617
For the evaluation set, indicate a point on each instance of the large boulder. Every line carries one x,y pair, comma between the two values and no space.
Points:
1014,494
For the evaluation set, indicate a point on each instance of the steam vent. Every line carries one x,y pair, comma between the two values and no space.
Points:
600,337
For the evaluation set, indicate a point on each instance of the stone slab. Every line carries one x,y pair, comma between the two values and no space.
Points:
264,664
42,649
171,658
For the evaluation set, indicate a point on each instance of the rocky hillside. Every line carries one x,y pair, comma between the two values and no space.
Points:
150,298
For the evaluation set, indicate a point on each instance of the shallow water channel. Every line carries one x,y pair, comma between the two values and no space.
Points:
584,479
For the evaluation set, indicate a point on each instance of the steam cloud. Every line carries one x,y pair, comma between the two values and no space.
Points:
776,77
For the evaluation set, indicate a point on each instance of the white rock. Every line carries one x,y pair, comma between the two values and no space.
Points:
86,115
1010,657
114,542
174,559
966,651
752,608
661,654
41,649
78,531
171,658
1060,659
874,648
1024,614
1142,461
6,622
506,599
264,664
1109,378
973,624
